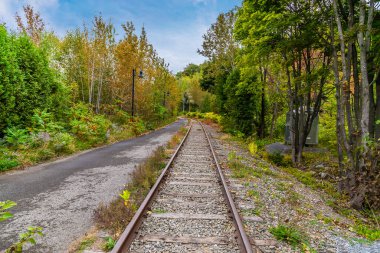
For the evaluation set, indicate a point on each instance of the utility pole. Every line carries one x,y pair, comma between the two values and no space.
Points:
141,75
133,92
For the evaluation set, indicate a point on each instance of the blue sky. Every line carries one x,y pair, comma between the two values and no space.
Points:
174,27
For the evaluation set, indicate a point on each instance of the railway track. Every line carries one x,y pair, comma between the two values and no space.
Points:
189,209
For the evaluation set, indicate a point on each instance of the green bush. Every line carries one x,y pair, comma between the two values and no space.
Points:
277,158
120,117
44,154
6,164
42,121
138,126
7,159
87,126
15,137
62,143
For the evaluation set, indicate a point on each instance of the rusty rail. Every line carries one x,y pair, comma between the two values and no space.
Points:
129,233
243,239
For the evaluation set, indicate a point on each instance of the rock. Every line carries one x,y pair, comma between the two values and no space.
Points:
44,136
320,166
323,175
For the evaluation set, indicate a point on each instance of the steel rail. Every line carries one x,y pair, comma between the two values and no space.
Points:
243,239
130,232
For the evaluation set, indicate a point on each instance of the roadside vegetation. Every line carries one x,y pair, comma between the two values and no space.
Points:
57,96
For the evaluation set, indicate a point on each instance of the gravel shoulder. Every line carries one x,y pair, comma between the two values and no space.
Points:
61,196
273,197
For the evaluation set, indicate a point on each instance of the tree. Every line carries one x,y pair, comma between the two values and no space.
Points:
356,20
34,26
296,31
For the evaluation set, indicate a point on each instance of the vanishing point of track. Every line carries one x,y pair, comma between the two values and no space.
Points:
190,208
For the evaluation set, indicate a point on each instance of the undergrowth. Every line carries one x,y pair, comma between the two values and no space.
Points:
46,138
291,236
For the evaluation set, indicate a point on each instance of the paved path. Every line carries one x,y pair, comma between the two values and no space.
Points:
61,196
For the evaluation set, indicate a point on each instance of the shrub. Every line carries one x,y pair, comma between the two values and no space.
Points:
87,126
6,164
120,117
42,121
213,117
62,143
44,154
110,243
252,147
277,158
16,136
7,160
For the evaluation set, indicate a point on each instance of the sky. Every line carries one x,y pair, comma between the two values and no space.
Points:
174,27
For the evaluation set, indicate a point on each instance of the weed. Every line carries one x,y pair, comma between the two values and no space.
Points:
252,211
293,197
86,243
281,186
302,211
4,206
62,143
277,158
253,194
159,210
6,164
288,234
371,234
25,238
252,147
110,243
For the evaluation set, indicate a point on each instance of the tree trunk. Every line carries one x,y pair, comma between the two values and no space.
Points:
371,116
377,111
274,119
365,84
263,109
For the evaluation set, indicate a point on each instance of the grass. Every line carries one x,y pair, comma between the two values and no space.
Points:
241,170
158,210
86,243
369,233
292,236
287,234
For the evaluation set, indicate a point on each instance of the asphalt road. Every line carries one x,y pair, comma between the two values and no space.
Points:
61,196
